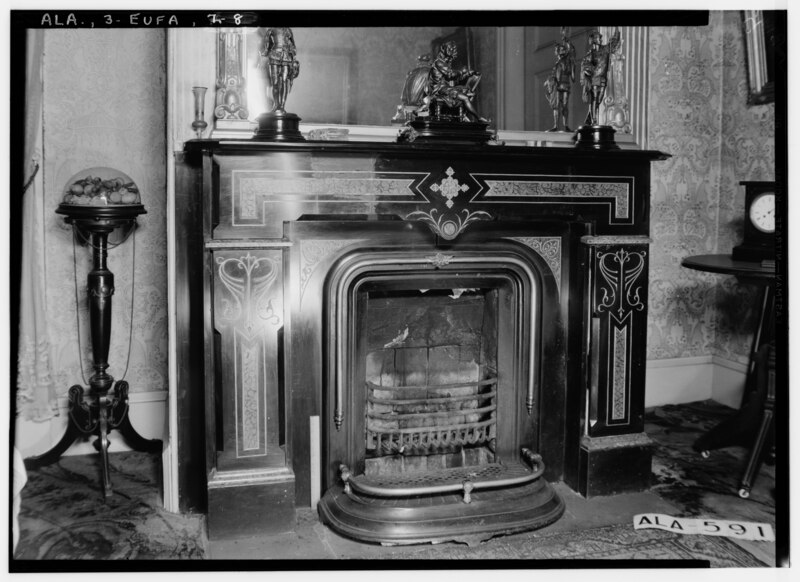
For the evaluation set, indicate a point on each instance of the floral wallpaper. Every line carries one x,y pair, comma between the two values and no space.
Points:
104,105
699,115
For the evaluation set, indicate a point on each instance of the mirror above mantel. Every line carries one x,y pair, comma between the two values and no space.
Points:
352,79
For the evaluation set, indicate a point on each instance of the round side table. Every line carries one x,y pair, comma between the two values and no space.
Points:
752,423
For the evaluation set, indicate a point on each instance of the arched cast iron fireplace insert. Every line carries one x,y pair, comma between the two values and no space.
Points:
434,375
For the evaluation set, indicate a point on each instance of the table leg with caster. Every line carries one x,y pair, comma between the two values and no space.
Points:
766,372
740,428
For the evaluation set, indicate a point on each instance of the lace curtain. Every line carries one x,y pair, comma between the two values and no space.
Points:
36,396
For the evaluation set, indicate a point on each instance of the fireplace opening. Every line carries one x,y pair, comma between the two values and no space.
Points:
434,400
431,379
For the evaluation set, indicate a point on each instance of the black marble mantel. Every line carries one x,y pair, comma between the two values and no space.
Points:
258,226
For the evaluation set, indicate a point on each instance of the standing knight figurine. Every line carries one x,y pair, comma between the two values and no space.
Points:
278,50
594,73
282,67
559,84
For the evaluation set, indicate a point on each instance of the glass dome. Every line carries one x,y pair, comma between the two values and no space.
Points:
101,187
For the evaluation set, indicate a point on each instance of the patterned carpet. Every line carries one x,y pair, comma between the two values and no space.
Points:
700,487
704,486
63,516
617,542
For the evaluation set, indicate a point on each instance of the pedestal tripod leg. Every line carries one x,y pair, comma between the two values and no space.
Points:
80,422
120,420
103,445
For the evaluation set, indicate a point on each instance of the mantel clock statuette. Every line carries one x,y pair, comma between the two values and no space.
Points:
594,79
278,54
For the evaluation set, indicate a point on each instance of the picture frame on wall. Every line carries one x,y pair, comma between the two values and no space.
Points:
759,42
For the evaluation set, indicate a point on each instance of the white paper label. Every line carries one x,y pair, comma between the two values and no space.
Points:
743,530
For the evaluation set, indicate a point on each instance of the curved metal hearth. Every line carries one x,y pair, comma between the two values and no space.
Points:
467,504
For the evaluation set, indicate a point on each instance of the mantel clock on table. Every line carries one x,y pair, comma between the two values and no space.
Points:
97,202
751,262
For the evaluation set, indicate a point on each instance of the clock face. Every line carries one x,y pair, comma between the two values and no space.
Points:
762,212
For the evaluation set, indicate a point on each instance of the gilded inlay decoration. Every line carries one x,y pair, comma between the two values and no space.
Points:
249,280
617,193
448,225
249,297
313,252
547,247
449,187
251,398
439,260
255,188
619,378
620,270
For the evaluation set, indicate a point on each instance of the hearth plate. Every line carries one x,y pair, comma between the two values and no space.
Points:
440,517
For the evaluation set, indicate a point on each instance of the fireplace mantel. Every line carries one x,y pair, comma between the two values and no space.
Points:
262,232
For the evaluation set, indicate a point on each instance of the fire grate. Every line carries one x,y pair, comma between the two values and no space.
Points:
419,420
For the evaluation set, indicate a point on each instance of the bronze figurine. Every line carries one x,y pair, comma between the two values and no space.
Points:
451,91
594,73
279,52
282,66
414,90
559,84
447,113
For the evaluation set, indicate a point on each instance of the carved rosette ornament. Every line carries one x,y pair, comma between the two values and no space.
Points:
439,260
449,188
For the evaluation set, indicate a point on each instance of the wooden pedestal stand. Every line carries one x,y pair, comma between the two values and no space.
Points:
99,413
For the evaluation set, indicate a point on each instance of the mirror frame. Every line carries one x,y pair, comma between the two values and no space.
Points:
758,26
625,106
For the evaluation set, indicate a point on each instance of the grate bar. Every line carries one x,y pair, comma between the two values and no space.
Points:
487,382
437,400
399,416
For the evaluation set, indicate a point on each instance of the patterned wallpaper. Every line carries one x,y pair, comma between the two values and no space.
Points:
104,105
699,115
